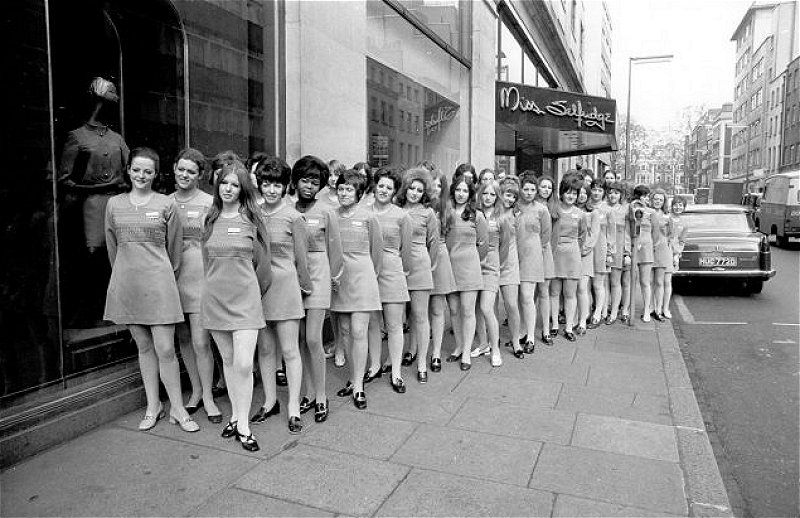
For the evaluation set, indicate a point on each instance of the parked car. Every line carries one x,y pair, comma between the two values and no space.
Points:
723,243
780,207
752,201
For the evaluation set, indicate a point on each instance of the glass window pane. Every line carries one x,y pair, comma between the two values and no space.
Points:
529,72
510,57
446,18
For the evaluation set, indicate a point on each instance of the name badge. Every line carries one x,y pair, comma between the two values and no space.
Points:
313,222
193,214
575,216
151,215
234,230
358,223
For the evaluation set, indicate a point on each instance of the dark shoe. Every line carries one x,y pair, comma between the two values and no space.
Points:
295,425
658,316
454,358
360,400
408,359
422,377
346,391
465,366
436,364
385,369
510,344
580,330
229,430
249,442
569,335
280,378
321,412
625,318
191,409
219,391
547,339
562,319
523,340
529,347
263,413
369,377
519,354
398,386
306,404
216,419
593,324
610,321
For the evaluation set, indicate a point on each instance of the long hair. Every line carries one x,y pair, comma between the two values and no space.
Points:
663,193
552,202
468,214
415,174
440,204
479,198
509,184
247,201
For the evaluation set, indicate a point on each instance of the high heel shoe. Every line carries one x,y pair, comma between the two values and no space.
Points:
360,400
248,442
368,377
529,347
191,409
215,418
436,364
150,420
347,390
465,366
306,404
610,321
398,386
658,316
569,335
230,430
480,351
295,425
523,340
594,323
455,357
408,359
263,413
187,424
321,412
519,354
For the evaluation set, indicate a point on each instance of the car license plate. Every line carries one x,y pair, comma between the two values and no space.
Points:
716,260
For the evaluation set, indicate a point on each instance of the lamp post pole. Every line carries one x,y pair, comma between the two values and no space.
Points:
631,62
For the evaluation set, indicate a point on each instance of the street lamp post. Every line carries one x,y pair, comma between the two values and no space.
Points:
631,62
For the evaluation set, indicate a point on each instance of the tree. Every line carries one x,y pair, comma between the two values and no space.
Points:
639,142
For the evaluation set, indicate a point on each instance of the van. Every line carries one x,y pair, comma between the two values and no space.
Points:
780,207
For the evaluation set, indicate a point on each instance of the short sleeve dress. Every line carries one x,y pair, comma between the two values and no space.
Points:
622,237
529,243
288,243
662,254
395,225
509,258
467,244
237,275
547,222
191,274
362,251
678,240
605,243
592,223
568,233
324,254
424,247
490,263
144,247
444,282
644,242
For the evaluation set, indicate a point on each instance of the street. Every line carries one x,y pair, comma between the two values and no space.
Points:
745,376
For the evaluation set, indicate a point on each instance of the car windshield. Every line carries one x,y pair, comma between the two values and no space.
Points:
717,221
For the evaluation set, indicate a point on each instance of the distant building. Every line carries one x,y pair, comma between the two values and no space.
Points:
773,140
790,158
766,41
597,65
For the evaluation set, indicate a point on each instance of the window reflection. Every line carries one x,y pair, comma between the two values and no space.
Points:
446,18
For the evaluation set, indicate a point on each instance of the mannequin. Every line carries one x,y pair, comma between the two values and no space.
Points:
92,171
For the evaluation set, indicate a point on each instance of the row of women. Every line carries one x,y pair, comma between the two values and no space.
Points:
257,269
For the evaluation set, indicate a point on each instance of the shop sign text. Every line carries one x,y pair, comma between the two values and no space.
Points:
442,115
512,100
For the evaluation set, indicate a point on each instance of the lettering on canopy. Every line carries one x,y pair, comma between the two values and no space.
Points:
527,105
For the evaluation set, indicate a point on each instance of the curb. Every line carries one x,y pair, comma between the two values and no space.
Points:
704,489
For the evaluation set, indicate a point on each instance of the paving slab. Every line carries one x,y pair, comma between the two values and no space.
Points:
615,359
428,493
533,368
648,379
703,480
684,408
648,440
324,479
237,502
461,452
624,479
523,422
418,404
353,431
634,343
561,353
117,472
569,506
509,390
592,400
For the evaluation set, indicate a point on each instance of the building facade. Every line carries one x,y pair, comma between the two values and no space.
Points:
773,140
386,81
597,64
790,154
766,41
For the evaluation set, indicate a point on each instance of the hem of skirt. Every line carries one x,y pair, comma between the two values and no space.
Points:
135,321
317,306
355,310
235,328
510,283
442,292
284,317
399,301
467,288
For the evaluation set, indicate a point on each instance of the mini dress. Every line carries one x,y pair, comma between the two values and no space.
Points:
324,254
444,282
509,257
467,242
490,263
605,243
534,228
144,245
678,239
592,222
238,273
288,244
424,247
644,243
569,231
191,273
395,226
362,251
662,230
622,236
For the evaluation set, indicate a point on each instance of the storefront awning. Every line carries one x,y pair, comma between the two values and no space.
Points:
552,123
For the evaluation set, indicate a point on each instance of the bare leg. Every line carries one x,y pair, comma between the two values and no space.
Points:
205,362
555,295
421,326
148,366
454,302
468,300
658,291
164,343
267,344
626,292
487,301
314,354
187,346
599,282
244,345
527,301
645,280
393,323
616,292
583,300
287,333
667,294
570,288
375,340
543,289
511,304
438,304
224,341
359,323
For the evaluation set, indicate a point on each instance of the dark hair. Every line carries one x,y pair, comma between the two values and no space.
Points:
363,166
255,158
416,174
440,204
310,167
585,205
462,169
195,156
616,186
247,199
640,190
484,171
570,182
528,177
469,210
598,183
426,164
390,173
145,152
272,169
354,178
223,158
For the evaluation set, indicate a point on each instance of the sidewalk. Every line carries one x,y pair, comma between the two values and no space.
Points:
606,426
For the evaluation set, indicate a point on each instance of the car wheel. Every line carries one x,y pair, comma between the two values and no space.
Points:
755,286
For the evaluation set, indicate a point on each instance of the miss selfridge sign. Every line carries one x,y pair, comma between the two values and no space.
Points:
543,107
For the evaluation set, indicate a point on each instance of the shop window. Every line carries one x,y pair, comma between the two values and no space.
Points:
448,19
